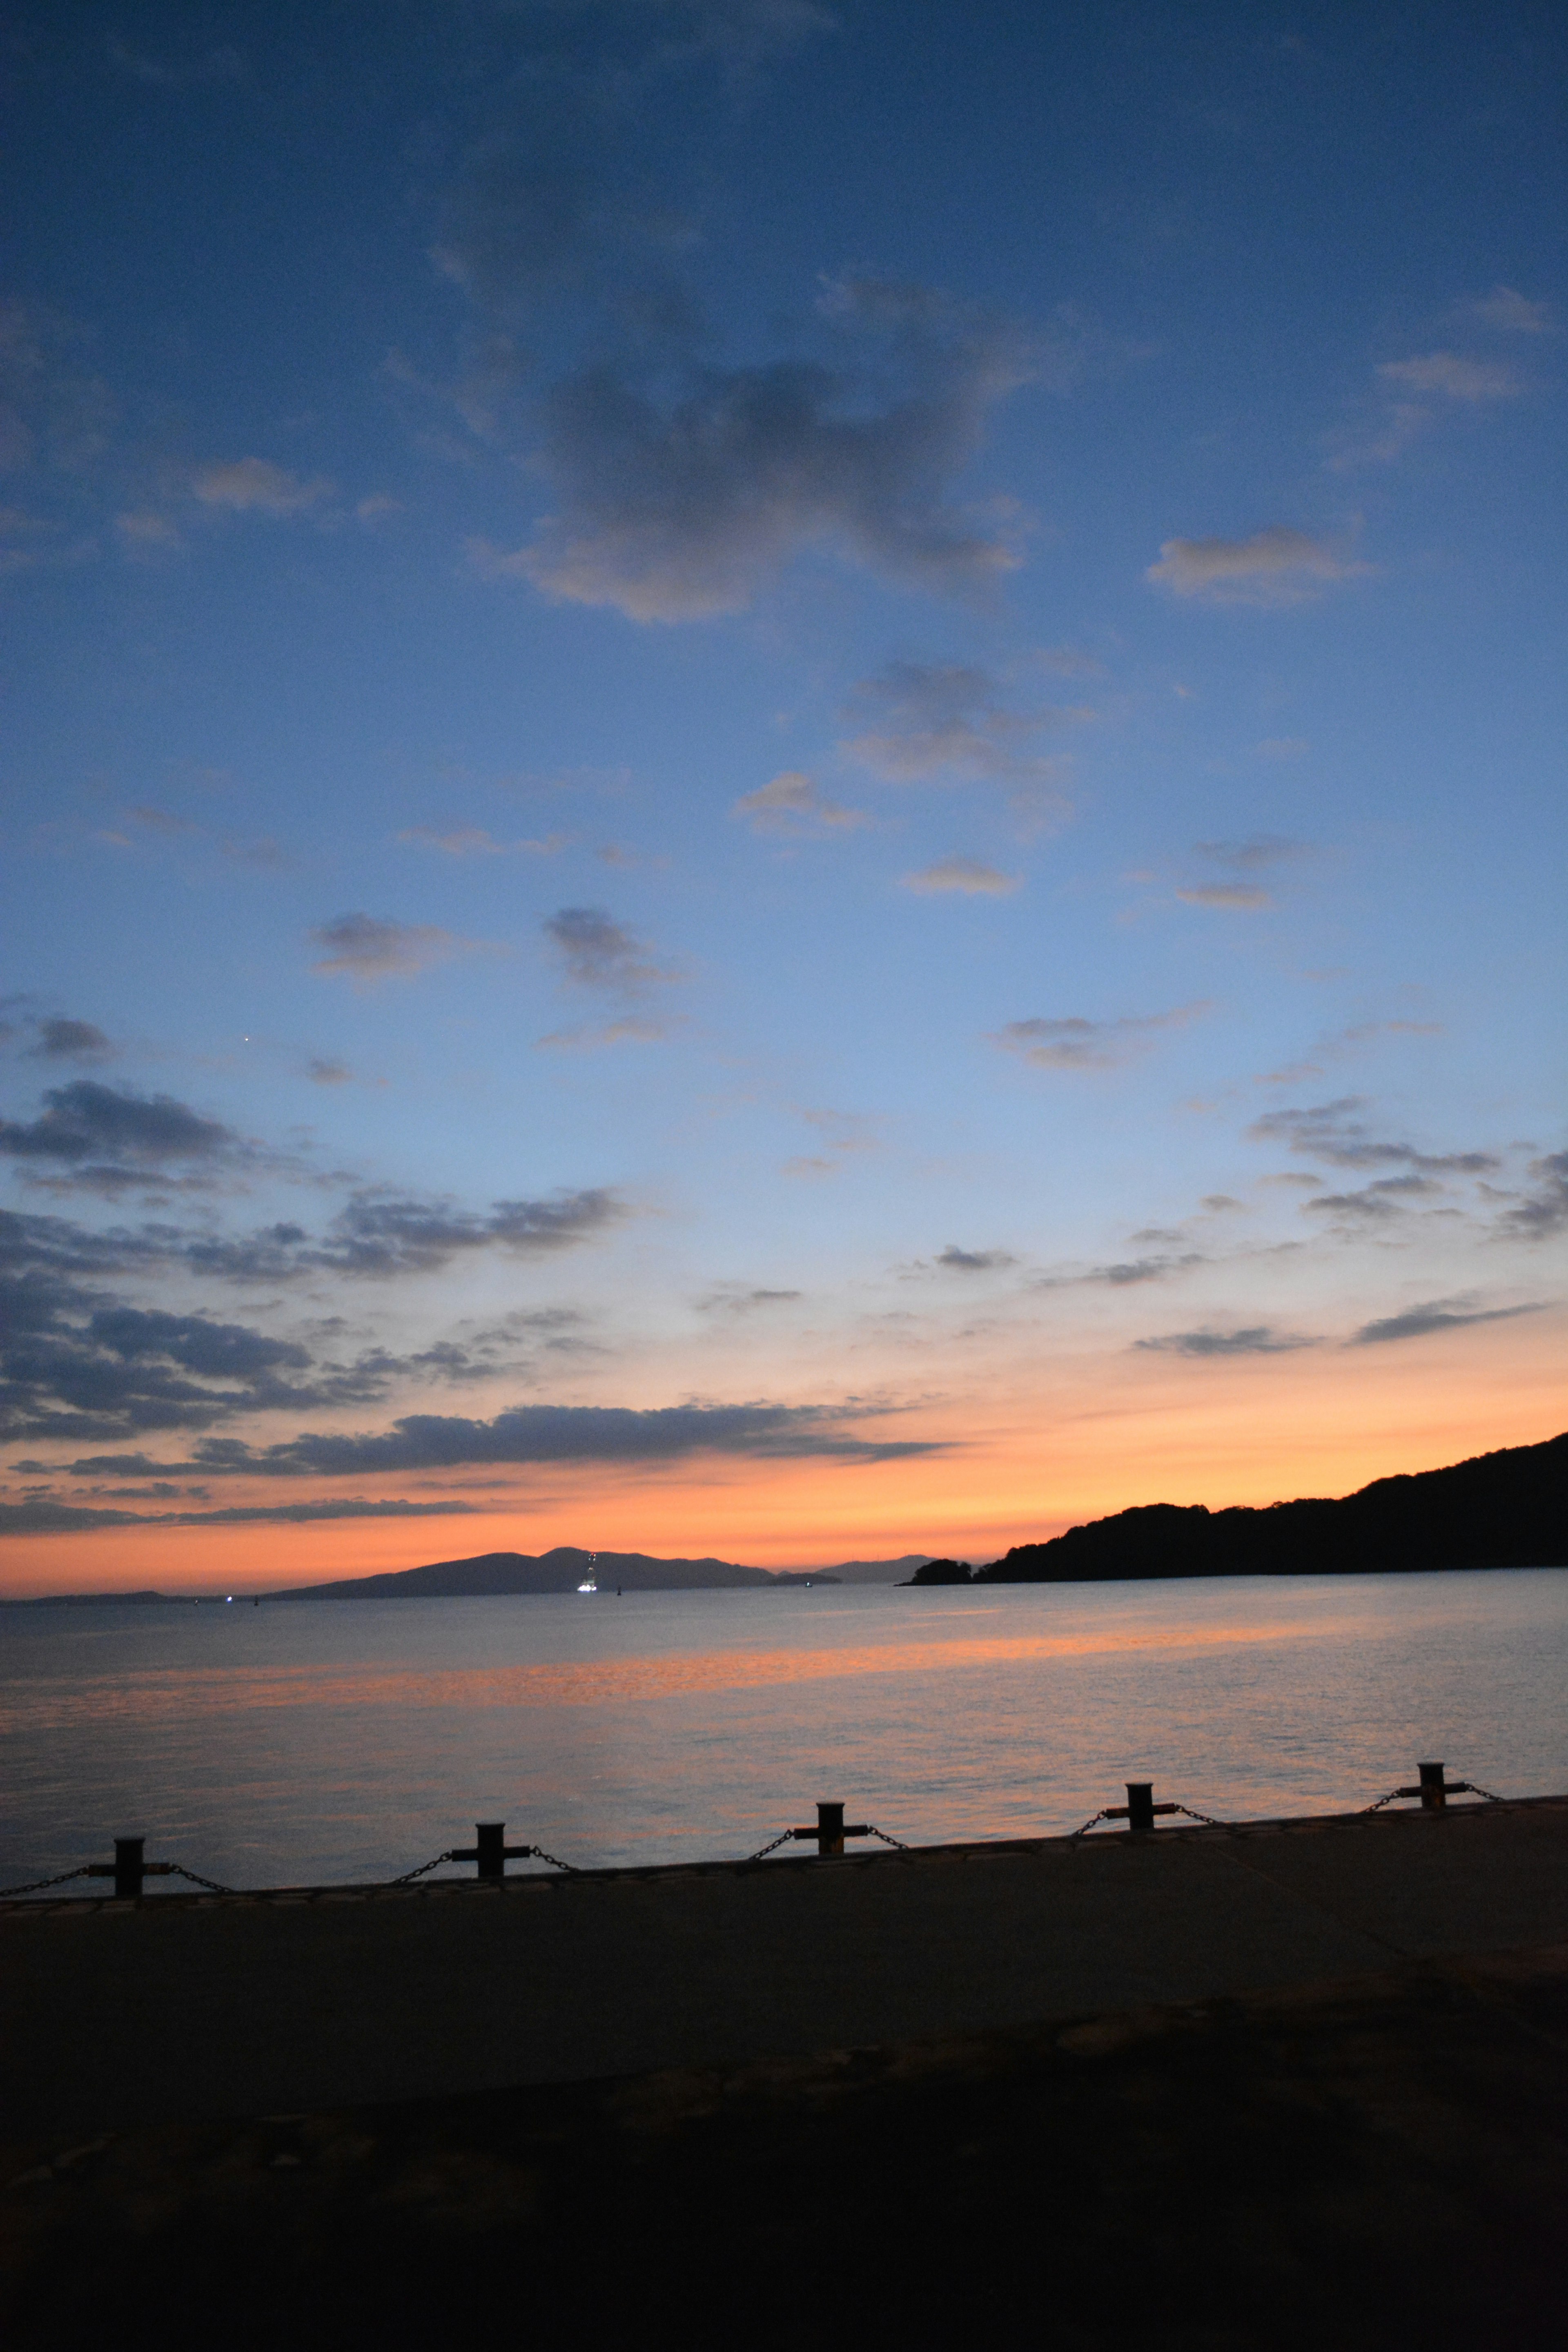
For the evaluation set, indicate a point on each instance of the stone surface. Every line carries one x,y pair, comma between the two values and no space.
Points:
182,2008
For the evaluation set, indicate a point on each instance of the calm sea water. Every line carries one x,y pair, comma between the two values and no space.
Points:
311,1743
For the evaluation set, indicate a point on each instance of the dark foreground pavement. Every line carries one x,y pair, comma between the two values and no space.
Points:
1379,2163
181,2006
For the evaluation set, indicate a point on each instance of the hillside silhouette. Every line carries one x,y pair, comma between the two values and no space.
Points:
1507,1509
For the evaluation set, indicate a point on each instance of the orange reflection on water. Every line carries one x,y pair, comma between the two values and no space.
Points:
158,1695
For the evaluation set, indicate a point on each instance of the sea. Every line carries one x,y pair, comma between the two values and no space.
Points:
326,1743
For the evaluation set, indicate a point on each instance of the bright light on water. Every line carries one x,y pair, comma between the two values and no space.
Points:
301,1743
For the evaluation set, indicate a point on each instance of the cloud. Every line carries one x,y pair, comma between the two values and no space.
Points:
367,948
963,873
677,504
546,1433
45,1517
596,952
1275,566
1237,898
1256,1340
962,1260
252,486
1075,1044
473,840
71,1041
87,1120
1544,1211
143,533
379,1234
1385,1198
1334,1131
1512,313
328,1073
1258,850
1472,381
734,1298
950,722
1438,1315
790,803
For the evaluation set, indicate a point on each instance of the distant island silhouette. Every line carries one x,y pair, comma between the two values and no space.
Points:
1508,1509
493,1574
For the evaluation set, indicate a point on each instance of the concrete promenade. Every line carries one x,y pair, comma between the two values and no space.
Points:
178,2008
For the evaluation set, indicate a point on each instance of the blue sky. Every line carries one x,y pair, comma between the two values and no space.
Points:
898,674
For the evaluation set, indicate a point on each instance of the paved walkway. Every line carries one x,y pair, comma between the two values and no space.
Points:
183,2007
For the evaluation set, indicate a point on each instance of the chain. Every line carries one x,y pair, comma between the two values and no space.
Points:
900,1843
1381,1801
34,1886
1485,1793
1207,1819
1103,1815
409,1876
178,1869
554,1861
782,1838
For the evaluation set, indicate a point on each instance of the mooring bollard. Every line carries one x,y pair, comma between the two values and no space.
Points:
832,1829
129,1868
1434,1792
490,1850
1139,1809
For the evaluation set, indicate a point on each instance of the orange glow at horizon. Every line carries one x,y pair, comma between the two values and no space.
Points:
1092,1439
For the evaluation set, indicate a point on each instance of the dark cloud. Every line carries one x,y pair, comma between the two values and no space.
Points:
78,1368
367,948
1438,1315
962,1260
1075,1044
104,1140
679,503
544,1432
598,953
1336,1132
376,1234
1544,1211
1385,1198
733,1300
954,722
45,1517
71,1041
1257,1340
324,1073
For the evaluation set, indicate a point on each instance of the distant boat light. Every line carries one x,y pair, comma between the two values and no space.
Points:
591,1581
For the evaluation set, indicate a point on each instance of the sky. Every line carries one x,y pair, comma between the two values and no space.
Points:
778,781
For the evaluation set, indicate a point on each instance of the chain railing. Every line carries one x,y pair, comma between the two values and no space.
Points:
490,1852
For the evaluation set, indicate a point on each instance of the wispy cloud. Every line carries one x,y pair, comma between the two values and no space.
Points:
1274,566
368,949
965,875
1252,1340
1075,1044
595,952
790,803
473,840
962,1260
1335,1131
1453,377
1545,1209
254,486
1234,897
1436,1315
1511,312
